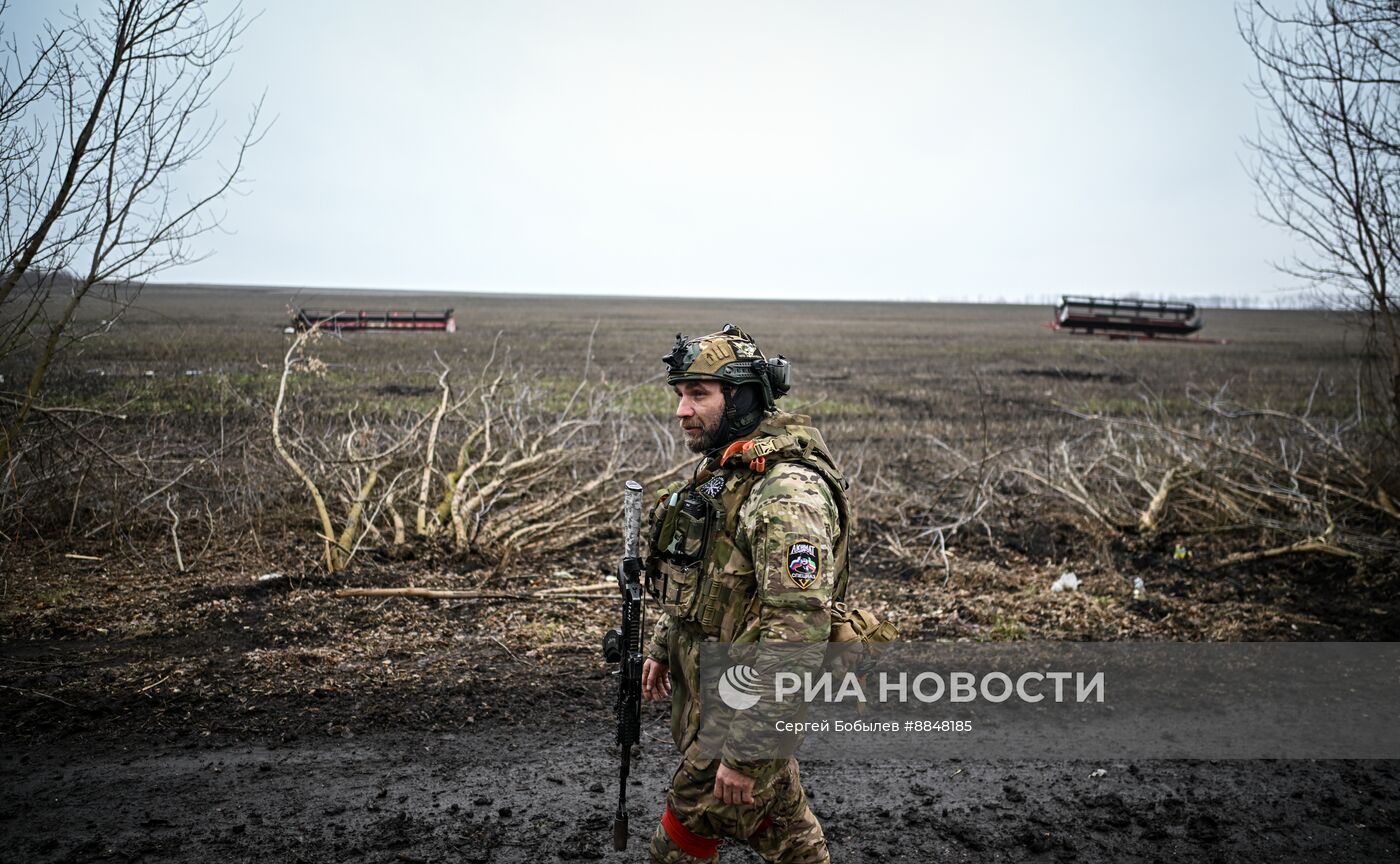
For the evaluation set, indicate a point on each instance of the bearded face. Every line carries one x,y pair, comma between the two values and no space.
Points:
700,412
701,437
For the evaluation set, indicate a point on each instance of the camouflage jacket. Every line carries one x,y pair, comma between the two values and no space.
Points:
751,550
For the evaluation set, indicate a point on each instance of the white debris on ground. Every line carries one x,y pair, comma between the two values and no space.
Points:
269,577
1068,581
1097,773
1139,589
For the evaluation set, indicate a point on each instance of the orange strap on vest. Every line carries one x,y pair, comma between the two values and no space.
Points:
739,447
689,842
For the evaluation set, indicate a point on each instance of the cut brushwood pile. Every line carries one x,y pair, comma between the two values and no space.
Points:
499,468
1277,483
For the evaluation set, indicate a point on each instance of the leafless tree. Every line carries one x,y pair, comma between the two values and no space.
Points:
99,118
1328,154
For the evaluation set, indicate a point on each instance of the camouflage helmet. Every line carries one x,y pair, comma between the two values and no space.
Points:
729,356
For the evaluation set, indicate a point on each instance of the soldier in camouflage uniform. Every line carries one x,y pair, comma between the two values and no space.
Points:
751,549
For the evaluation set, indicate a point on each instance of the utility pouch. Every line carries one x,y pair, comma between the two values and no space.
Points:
681,543
863,634
680,589
853,624
689,523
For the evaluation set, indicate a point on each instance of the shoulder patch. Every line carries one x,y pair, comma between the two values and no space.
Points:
804,563
713,486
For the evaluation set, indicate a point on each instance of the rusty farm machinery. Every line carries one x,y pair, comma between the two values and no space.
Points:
370,320
1121,318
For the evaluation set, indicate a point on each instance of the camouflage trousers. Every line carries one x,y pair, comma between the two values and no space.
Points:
779,826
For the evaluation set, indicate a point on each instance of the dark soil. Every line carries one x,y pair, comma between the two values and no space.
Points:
546,791
159,717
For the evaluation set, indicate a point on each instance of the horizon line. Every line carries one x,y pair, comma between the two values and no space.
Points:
1243,302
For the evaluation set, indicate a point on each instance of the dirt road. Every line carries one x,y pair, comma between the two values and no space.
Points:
548,793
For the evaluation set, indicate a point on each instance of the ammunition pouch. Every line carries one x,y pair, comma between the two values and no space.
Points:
681,537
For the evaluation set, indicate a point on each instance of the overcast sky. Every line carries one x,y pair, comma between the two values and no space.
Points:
830,150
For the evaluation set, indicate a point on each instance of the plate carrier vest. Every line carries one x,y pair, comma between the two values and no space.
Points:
695,566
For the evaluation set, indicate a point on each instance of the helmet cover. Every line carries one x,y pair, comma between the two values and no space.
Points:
729,356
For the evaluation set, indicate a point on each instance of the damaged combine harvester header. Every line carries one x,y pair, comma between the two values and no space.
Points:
348,321
1119,318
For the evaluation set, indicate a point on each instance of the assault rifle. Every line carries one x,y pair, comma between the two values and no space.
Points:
623,646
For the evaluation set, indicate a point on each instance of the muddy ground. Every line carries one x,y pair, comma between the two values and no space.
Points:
157,717
546,792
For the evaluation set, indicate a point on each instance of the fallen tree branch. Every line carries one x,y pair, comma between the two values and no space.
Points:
1081,500
426,484
1311,544
595,586
441,594
1150,519
175,534
327,529
46,696
39,409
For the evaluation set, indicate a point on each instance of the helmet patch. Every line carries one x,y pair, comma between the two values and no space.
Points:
804,563
716,354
